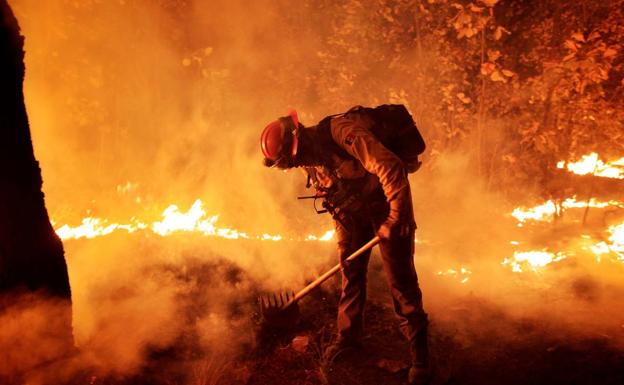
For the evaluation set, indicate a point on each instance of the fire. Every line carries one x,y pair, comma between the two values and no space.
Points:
591,164
546,211
533,260
538,213
462,273
195,220
616,245
173,220
329,235
94,227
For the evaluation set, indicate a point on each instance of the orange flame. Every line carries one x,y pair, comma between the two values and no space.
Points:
531,260
591,164
173,221
546,211
616,245
463,274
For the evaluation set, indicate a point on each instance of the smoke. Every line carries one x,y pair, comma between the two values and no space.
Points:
462,224
137,105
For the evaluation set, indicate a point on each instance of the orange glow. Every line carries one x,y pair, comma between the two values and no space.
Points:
543,212
95,227
546,211
531,260
615,245
591,164
329,235
463,274
173,221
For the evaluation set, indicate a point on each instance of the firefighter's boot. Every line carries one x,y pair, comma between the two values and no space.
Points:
419,373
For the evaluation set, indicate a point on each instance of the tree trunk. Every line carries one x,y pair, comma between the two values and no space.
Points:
32,262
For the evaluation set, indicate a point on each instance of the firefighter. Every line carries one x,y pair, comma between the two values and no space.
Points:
367,191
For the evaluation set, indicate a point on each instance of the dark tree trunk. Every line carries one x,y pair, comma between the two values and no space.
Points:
32,261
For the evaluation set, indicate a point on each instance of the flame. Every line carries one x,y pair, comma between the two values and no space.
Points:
542,212
591,164
94,227
462,273
546,211
533,260
329,235
173,220
616,245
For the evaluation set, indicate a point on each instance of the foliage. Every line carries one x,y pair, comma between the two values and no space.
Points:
518,85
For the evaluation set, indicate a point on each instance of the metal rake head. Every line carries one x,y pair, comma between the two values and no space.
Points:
278,309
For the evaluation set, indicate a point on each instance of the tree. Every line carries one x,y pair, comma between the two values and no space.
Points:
32,263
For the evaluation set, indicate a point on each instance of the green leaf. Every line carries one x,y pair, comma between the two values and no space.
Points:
493,54
476,9
497,77
464,99
487,68
578,36
609,52
498,33
594,35
571,45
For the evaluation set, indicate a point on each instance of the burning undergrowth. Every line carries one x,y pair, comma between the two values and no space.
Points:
167,304
137,323
186,298
178,304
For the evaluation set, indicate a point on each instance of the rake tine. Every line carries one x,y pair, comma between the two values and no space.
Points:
281,299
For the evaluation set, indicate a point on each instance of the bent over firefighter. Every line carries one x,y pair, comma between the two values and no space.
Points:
358,163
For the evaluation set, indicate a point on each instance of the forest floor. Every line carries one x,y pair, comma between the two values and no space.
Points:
560,324
472,341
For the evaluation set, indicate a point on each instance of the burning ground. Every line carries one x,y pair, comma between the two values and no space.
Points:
516,295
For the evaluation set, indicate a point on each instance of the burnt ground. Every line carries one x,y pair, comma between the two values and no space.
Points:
472,340
473,343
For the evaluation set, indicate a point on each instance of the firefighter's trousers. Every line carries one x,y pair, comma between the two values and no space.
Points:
397,255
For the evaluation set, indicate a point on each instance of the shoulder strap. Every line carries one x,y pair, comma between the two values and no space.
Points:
328,146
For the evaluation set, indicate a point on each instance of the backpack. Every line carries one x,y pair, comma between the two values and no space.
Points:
392,125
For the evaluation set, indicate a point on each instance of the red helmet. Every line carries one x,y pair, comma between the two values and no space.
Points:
279,140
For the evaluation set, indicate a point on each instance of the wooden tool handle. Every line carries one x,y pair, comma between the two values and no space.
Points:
306,290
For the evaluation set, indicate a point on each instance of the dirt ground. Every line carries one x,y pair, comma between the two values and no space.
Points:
559,325
474,342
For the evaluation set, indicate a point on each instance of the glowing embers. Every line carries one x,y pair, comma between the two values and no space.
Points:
173,221
591,164
615,245
463,274
532,260
546,211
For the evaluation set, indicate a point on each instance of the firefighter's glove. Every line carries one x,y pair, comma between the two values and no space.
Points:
400,221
